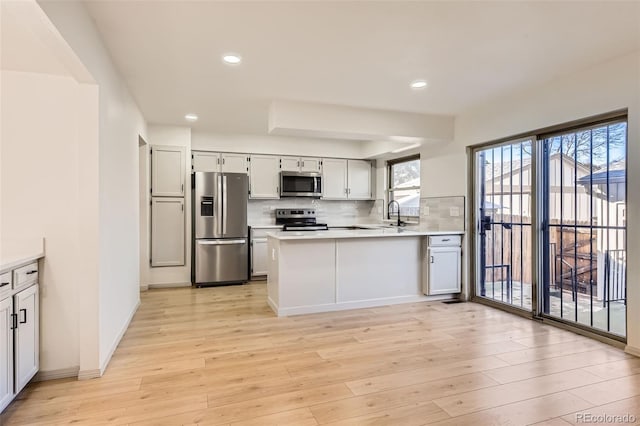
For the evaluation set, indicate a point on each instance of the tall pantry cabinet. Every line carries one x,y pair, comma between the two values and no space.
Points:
168,188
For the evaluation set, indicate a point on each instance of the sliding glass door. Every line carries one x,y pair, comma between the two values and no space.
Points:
562,196
584,226
503,208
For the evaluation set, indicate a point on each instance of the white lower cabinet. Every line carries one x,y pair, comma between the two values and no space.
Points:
19,331
6,352
259,265
26,307
167,232
259,257
442,265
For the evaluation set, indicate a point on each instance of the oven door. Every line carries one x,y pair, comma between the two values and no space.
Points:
294,184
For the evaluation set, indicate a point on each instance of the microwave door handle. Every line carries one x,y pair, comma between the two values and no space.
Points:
315,185
224,204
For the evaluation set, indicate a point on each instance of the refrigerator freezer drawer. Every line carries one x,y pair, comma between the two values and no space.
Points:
220,261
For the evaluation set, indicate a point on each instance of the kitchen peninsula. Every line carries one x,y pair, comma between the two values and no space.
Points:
344,269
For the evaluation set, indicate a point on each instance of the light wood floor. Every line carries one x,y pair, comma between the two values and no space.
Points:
220,356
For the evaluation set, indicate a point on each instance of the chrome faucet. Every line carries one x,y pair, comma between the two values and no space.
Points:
400,223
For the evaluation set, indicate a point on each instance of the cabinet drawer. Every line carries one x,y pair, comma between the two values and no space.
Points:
5,285
26,275
445,240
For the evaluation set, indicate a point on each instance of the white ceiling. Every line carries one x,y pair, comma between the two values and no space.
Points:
361,54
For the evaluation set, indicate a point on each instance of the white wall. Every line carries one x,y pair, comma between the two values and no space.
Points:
609,86
174,275
120,125
49,183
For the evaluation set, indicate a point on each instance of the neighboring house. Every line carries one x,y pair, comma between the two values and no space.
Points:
578,195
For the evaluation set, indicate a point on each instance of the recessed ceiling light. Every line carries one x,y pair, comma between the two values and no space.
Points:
191,117
231,59
418,84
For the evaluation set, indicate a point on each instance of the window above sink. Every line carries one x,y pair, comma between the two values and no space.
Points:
404,185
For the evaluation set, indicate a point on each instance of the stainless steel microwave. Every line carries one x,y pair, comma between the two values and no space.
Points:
300,184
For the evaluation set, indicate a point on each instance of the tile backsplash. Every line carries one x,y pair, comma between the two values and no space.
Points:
442,213
333,213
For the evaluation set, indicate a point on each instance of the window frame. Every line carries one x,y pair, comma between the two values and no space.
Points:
390,189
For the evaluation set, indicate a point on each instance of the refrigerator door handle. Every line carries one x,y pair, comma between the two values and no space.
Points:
224,204
219,220
220,242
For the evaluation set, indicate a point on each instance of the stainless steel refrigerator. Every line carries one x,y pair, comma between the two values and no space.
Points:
221,243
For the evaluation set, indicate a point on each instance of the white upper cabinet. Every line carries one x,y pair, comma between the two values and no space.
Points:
290,164
346,179
359,180
217,162
300,164
264,179
167,232
205,161
334,179
310,164
167,171
234,163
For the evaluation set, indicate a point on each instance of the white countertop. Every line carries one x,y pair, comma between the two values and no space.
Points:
8,263
355,233
16,253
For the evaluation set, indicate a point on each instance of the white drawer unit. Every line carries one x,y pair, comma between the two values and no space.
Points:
5,285
445,240
25,276
442,265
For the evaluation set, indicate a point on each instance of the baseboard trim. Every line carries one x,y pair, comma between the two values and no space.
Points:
89,374
116,341
144,287
632,351
62,373
360,304
168,285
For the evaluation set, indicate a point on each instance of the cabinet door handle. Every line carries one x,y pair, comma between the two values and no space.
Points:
3,284
25,316
303,164
14,321
223,161
430,259
182,188
32,272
